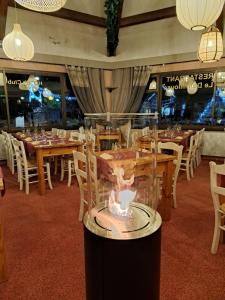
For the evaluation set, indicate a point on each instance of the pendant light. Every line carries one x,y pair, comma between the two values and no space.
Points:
211,45
17,45
42,5
192,88
152,85
198,14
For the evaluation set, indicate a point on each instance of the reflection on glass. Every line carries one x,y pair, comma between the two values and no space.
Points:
34,101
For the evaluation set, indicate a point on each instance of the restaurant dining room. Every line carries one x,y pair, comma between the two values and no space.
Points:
112,150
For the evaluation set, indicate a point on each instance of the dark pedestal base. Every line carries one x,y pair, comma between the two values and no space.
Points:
122,269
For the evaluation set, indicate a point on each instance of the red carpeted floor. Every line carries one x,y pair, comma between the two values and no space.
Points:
44,244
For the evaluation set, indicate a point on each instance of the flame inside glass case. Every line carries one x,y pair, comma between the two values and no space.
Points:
121,181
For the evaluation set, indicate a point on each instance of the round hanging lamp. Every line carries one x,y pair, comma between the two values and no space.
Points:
42,5
192,88
17,45
211,45
198,14
169,92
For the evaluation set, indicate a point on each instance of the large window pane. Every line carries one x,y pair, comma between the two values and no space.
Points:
74,115
184,107
3,113
34,100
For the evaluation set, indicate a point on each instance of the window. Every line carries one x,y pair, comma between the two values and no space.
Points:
188,105
3,112
34,100
74,115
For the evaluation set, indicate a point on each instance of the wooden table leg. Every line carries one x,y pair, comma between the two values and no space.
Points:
2,257
41,176
166,201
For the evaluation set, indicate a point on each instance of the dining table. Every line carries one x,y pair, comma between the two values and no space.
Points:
107,135
178,137
108,160
47,145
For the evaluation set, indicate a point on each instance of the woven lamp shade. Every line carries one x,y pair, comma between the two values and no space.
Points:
17,46
198,14
211,45
42,5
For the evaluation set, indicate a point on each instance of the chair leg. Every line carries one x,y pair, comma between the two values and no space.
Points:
49,175
216,234
69,172
81,212
26,183
21,183
56,165
62,169
191,168
174,195
188,171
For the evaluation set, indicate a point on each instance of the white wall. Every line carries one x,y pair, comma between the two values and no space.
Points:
66,42
157,40
92,7
60,38
135,7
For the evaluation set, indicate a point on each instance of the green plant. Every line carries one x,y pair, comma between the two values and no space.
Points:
111,11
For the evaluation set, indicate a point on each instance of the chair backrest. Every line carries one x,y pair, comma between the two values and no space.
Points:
81,129
16,145
177,151
145,131
75,135
190,149
80,166
195,143
54,131
125,131
20,153
61,133
216,189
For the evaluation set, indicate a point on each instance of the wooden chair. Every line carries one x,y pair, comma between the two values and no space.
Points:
18,163
98,191
54,131
11,156
145,131
61,133
187,160
219,209
29,168
80,163
67,162
177,151
125,131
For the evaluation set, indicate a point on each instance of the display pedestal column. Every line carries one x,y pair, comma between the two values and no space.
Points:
122,269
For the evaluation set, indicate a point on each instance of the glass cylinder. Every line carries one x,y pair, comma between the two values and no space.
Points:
122,189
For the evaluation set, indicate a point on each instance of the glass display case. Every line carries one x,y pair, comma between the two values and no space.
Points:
122,184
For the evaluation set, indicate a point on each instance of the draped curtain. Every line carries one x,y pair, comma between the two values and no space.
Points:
89,88
128,87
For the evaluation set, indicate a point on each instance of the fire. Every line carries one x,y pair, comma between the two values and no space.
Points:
121,207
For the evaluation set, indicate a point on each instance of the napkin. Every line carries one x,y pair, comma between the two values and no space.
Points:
106,156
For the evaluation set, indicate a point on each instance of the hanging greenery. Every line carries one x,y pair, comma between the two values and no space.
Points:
111,11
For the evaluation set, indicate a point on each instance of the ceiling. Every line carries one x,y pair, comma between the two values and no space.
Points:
130,7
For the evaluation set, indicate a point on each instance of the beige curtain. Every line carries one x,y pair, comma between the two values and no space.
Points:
130,85
89,87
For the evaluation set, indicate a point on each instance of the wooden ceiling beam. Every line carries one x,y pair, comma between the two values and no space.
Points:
3,16
69,14
150,16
